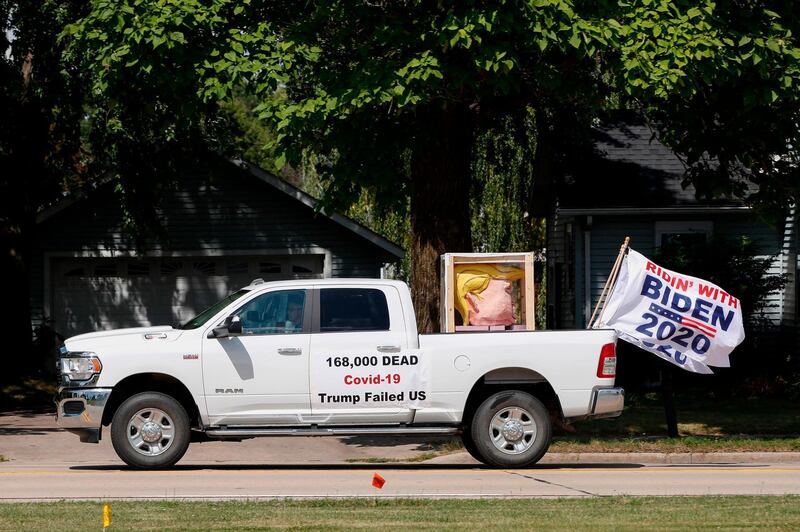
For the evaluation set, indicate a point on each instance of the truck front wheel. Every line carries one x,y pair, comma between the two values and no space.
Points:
511,429
150,431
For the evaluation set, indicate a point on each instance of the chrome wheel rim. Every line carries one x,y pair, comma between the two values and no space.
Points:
512,430
151,431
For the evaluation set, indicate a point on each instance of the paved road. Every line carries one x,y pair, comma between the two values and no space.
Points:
213,481
45,463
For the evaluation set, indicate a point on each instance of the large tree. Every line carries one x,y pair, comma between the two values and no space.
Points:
41,154
393,96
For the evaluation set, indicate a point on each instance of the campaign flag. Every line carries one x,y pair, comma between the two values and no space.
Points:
690,322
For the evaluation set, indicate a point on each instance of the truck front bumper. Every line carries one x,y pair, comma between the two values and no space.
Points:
80,411
607,402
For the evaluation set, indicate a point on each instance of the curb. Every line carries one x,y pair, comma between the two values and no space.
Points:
642,458
673,458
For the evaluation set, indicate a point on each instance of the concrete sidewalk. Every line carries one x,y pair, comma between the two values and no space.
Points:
642,458
32,438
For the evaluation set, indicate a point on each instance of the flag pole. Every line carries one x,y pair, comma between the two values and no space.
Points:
612,278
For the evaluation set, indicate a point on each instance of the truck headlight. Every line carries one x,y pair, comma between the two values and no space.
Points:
80,366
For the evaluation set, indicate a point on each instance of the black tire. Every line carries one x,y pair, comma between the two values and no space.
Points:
469,445
163,412
493,445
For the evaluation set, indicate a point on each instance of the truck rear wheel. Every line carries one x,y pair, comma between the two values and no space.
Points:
150,431
511,429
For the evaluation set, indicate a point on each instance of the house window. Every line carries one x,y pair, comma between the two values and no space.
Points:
238,267
74,272
171,268
270,267
205,268
138,269
105,269
682,233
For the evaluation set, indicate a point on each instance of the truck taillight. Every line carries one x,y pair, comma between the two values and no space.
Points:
607,366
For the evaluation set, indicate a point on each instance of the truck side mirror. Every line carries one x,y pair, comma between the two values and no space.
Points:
235,325
232,326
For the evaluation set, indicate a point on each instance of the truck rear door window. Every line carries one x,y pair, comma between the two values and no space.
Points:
353,309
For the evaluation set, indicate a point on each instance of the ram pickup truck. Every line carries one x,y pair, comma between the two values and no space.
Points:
329,357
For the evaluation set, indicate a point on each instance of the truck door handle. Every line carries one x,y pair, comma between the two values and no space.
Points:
389,348
289,351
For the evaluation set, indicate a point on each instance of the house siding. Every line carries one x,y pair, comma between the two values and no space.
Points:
560,272
608,233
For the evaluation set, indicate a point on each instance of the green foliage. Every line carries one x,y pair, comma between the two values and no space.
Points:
358,107
248,136
390,221
146,112
503,185
719,80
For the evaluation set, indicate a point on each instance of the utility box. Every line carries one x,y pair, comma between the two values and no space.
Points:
487,292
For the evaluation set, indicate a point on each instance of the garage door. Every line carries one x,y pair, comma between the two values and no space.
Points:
96,294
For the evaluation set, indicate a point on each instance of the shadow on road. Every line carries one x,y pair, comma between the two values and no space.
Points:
27,431
30,413
350,467
423,443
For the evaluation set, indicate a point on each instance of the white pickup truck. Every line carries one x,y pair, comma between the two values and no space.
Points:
330,357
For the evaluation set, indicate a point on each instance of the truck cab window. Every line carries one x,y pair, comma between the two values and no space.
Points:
353,309
274,313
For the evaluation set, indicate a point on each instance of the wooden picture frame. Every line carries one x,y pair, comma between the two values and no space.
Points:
449,261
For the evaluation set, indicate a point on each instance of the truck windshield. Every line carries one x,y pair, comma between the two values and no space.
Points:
211,311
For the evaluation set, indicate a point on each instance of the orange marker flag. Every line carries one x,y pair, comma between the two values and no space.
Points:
378,481
106,516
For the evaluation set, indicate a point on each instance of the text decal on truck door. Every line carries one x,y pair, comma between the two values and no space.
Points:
370,380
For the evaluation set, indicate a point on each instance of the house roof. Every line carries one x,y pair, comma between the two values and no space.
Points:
282,186
630,169
308,200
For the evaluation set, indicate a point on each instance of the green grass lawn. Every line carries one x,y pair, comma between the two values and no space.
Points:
705,424
608,513
685,444
28,393
699,416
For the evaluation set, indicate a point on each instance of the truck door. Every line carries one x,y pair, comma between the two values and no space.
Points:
261,376
357,345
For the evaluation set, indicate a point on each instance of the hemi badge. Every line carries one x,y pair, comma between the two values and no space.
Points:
191,357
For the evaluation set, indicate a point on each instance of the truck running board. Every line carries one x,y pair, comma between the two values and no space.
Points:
327,431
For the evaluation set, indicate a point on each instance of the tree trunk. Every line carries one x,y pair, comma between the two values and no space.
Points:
440,189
